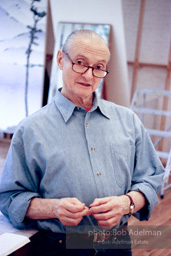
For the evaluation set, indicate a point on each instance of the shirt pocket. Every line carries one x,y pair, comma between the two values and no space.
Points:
123,163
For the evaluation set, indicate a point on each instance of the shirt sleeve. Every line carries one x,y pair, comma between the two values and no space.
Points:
148,170
17,185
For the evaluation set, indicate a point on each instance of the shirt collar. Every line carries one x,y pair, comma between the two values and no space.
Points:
99,104
66,107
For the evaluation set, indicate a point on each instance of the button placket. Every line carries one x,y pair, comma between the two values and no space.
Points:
92,149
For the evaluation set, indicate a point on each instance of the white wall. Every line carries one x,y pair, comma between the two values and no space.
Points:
102,12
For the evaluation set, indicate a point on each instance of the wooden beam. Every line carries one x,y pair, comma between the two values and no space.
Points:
138,45
151,65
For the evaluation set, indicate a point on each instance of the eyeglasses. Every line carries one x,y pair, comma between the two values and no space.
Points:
81,69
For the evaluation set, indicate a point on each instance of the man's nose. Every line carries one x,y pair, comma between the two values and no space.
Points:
88,74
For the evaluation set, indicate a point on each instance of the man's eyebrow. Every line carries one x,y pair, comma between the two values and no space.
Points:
80,56
84,57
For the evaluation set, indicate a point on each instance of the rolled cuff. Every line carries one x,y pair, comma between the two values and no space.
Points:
18,209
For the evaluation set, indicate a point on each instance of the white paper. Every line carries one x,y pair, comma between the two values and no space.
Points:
10,242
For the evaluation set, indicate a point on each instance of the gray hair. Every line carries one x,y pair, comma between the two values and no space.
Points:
82,33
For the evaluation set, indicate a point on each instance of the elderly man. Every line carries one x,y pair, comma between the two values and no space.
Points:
80,166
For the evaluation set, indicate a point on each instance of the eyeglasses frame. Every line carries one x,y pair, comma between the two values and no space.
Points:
73,63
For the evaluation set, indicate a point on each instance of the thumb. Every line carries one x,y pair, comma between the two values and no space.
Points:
98,201
76,202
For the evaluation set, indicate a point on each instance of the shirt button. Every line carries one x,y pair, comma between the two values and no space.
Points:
99,173
92,149
86,124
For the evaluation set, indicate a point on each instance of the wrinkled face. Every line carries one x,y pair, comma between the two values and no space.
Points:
84,51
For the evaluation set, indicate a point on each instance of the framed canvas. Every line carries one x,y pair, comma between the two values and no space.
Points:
22,56
63,31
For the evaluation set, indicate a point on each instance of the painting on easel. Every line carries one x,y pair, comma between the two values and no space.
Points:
22,56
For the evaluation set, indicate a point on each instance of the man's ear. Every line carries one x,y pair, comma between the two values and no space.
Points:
60,59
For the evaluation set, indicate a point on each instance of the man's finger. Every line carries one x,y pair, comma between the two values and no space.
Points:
72,205
103,216
103,208
99,201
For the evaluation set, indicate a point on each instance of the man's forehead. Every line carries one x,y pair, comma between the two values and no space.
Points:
87,46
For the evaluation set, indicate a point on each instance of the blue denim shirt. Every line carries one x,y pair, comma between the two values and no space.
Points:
64,151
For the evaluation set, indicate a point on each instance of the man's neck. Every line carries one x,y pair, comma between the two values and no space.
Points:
86,102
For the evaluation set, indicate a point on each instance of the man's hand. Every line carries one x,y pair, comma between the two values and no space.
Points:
109,210
70,211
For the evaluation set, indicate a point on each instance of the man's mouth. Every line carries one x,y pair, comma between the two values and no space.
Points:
84,84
